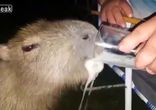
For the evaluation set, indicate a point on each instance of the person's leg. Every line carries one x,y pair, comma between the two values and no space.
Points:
146,84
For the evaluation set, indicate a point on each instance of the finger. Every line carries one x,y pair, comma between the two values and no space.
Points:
118,16
140,47
152,68
127,9
148,54
103,16
110,17
139,35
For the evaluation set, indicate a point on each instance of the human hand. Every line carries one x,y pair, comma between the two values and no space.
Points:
114,10
144,34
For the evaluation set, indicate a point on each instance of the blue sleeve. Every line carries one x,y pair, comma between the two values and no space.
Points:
143,8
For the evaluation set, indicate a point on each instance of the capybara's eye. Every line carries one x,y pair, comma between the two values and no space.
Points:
85,37
28,48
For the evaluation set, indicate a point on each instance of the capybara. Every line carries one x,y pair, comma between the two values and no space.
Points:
43,59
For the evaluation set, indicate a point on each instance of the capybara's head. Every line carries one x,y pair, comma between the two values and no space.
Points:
53,52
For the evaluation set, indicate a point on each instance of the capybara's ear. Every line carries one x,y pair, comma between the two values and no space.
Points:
4,52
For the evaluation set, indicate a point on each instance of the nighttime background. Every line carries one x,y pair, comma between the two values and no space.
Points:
26,11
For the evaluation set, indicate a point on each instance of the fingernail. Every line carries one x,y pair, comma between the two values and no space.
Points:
121,47
123,25
130,15
150,72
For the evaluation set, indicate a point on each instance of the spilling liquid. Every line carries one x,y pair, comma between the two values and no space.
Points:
108,38
94,67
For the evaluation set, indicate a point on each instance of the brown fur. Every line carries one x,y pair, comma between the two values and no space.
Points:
34,80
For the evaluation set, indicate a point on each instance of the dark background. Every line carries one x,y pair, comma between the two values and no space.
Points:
26,11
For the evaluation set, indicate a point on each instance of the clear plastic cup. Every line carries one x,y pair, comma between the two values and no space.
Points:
108,37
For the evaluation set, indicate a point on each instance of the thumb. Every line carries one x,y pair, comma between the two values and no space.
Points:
142,33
